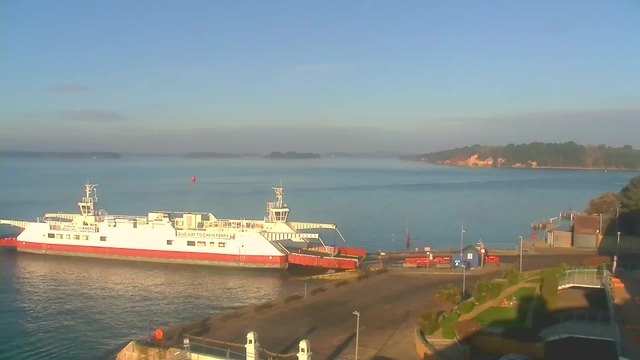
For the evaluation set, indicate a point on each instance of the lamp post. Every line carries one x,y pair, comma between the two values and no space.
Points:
618,246
461,239
357,331
464,268
521,254
464,278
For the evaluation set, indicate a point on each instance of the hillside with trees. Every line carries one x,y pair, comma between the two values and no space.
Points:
537,155
621,209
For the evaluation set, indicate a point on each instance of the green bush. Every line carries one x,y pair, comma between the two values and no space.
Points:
449,294
453,317
511,275
429,317
481,291
429,329
549,288
448,331
496,287
466,307
429,322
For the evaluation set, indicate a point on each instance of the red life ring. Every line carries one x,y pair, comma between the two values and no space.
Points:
159,334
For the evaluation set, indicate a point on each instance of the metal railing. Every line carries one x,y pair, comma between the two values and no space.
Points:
590,316
578,329
210,350
581,278
501,246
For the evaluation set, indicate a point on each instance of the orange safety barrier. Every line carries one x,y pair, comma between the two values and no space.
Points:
621,285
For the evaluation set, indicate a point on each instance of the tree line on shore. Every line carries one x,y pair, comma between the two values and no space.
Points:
567,154
621,208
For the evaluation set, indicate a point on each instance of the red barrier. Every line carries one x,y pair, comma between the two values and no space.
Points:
324,262
352,252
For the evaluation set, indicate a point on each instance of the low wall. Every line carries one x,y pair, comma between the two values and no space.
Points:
426,350
135,351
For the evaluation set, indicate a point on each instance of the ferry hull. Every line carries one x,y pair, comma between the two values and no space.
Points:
158,256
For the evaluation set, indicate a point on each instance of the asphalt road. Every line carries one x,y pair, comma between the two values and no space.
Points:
388,303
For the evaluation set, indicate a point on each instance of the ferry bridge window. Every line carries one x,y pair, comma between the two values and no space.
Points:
202,243
191,243
103,238
68,237
222,244
212,243
76,237
85,237
51,236
58,236
169,242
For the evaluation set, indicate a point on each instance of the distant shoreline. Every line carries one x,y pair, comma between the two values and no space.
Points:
61,155
523,167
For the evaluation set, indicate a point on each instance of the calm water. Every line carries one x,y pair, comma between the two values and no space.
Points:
54,307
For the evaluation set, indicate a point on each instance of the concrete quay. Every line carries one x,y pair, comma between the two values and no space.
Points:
389,304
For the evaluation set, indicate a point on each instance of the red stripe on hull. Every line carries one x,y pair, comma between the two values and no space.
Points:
156,255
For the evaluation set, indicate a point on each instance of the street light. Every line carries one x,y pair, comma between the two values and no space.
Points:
464,267
521,254
461,239
618,246
357,331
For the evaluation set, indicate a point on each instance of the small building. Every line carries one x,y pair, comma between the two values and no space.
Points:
561,237
586,231
471,255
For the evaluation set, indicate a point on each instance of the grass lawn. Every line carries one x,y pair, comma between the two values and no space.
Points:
497,315
525,292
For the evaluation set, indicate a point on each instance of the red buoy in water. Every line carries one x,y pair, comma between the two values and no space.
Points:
193,179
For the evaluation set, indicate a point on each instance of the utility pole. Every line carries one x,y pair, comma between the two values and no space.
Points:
357,331
462,262
464,279
461,239
618,246
521,254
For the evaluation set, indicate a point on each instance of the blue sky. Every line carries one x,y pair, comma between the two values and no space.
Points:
407,76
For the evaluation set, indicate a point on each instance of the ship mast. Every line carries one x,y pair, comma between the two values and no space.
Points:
89,201
277,211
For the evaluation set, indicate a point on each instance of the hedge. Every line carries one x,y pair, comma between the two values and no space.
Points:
466,307
511,275
496,288
448,331
549,288
453,317
429,322
481,291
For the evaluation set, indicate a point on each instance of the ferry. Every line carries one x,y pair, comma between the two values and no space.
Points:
185,237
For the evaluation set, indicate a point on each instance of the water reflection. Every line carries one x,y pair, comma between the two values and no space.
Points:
103,303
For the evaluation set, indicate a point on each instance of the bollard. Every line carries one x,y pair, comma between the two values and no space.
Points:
304,350
252,346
